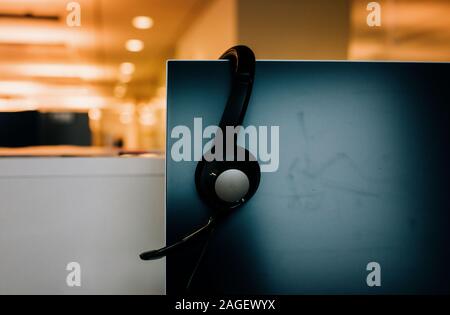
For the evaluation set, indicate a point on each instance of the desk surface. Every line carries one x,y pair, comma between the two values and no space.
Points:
98,212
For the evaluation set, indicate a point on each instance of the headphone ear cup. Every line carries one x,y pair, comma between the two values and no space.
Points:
228,184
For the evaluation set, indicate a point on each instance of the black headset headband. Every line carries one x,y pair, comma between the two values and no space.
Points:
242,60
243,65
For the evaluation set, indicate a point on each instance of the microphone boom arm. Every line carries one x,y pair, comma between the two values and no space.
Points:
159,253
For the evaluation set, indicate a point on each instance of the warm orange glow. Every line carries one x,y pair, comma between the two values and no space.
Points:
120,90
147,116
13,33
143,22
134,45
82,102
127,68
124,78
20,88
95,114
33,88
25,95
58,70
126,116
15,105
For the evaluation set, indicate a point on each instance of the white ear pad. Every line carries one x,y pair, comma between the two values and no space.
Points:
232,185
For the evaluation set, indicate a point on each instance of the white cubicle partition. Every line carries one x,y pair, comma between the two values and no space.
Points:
96,213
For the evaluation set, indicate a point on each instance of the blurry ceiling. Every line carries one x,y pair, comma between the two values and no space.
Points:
45,63
40,55
410,30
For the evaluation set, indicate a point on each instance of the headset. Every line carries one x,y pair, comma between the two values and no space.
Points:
225,180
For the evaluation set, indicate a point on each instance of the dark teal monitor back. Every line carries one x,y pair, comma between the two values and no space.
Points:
363,177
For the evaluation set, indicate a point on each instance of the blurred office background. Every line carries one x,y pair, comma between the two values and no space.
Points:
100,87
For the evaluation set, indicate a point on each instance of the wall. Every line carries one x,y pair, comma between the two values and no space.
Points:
295,29
274,29
211,34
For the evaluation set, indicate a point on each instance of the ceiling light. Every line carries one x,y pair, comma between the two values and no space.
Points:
60,70
134,45
143,22
127,68
19,88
